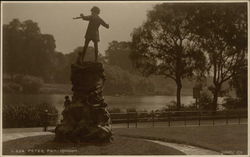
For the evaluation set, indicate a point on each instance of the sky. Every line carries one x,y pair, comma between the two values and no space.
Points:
55,18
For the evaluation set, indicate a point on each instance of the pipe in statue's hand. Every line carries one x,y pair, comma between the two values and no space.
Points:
80,17
74,18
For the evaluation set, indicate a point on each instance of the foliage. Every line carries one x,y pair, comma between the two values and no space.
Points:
205,101
119,81
114,110
221,31
233,103
163,45
171,106
22,84
239,82
26,115
12,87
131,110
26,50
30,84
118,54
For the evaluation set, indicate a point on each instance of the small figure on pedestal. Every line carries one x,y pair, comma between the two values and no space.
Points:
92,32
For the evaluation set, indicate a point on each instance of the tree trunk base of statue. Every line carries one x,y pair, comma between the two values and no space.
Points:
86,119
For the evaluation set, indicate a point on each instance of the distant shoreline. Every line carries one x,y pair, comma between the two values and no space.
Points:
61,89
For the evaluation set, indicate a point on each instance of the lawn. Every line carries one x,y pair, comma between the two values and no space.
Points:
44,145
230,139
227,139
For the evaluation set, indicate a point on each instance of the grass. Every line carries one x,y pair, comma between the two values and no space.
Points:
230,138
44,145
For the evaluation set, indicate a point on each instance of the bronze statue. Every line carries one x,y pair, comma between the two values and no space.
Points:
92,32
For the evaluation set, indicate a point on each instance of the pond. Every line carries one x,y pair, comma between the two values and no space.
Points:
123,102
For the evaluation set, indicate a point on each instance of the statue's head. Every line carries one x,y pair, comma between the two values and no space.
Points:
95,10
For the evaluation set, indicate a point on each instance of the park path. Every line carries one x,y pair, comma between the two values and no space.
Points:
187,149
14,136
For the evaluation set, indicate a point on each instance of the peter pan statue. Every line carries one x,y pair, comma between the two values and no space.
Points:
92,32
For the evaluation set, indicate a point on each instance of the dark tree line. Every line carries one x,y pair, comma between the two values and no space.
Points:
26,50
186,40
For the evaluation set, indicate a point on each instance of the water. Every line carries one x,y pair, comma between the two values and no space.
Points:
123,102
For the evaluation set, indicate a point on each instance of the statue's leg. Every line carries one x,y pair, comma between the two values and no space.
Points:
84,49
96,50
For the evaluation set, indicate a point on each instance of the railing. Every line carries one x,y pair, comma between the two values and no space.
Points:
169,118
180,117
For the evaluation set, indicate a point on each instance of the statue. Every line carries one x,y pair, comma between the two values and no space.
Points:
92,32
85,117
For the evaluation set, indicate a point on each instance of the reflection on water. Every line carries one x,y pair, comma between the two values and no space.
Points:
144,102
123,102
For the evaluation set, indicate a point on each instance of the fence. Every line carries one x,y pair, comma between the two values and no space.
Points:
177,118
181,118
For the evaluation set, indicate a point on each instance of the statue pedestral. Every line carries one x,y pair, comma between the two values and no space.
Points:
86,119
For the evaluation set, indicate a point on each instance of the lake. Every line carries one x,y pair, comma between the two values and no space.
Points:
123,102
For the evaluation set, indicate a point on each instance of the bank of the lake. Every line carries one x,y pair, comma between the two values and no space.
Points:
122,102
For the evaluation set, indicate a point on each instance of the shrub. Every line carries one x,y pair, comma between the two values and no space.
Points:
232,103
172,105
27,115
205,100
131,110
12,87
191,107
30,84
114,110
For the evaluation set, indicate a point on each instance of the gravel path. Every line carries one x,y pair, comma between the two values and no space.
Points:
14,136
187,149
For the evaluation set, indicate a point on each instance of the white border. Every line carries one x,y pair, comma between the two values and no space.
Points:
70,2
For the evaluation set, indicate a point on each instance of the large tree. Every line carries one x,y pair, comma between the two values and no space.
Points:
163,45
222,34
26,50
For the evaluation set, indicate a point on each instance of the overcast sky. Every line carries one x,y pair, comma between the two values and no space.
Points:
56,19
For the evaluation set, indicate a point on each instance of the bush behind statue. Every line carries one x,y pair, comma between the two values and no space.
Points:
234,103
23,84
27,115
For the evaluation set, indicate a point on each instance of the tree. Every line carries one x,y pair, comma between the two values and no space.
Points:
239,82
27,51
12,42
222,34
163,45
118,54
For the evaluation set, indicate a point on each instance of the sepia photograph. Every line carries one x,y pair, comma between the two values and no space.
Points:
124,78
